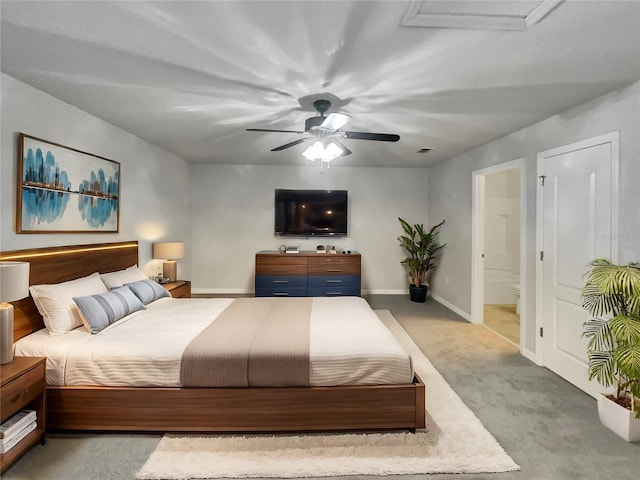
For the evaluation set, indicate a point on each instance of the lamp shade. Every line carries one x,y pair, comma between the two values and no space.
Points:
14,281
168,250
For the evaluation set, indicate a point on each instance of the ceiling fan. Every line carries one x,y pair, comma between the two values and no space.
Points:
323,127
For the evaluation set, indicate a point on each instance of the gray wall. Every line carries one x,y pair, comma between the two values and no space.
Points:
228,215
450,188
233,218
154,183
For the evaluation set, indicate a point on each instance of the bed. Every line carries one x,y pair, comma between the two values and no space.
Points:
77,403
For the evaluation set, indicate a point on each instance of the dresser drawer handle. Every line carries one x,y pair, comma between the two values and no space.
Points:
334,293
333,270
280,281
334,281
280,294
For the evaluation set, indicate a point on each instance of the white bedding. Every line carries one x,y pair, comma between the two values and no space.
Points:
349,345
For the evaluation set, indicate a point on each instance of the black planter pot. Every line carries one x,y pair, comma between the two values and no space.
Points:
418,294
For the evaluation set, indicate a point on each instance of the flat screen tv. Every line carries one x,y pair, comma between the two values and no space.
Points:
307,213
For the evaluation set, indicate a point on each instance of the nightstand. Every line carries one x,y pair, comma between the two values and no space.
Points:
179,288
23,387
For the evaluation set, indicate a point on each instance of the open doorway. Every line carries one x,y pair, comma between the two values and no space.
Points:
498,247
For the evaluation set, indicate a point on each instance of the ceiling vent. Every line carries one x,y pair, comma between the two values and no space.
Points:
477,14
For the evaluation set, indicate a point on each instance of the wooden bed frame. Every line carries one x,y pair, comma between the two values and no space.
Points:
378,407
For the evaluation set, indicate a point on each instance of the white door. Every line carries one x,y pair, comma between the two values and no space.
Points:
576,224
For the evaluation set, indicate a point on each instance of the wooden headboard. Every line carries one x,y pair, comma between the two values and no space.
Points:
60,264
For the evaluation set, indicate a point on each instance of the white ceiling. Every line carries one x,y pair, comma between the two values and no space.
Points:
190,77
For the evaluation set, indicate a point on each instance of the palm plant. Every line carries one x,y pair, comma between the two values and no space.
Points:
422,247
611,294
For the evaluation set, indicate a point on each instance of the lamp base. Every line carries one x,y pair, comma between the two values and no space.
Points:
6,333
169,269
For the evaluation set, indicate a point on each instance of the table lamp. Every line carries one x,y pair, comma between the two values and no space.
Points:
170,252
14,285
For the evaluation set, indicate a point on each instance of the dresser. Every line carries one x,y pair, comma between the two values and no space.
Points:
307,274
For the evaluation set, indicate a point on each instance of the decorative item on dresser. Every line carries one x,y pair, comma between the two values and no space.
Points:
14,285
170,252
308,274
22,387
179,288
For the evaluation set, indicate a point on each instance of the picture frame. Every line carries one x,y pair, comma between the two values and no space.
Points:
65,190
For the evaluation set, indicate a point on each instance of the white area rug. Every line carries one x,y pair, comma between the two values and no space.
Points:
454,442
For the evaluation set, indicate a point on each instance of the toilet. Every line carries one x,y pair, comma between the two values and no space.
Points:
516,292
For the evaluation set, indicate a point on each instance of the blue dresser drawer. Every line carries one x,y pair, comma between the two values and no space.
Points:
280,281
334,285
334,292
334,281
281,292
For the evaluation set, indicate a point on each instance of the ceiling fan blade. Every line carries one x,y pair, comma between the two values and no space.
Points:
291,144
334,122
345,150
381,137
271,130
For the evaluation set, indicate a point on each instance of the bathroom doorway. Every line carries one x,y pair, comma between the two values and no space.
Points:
498,248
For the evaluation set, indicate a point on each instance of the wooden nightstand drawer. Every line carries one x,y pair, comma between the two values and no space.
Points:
22,390
179,289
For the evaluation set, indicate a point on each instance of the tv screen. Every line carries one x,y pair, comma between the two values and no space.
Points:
308,213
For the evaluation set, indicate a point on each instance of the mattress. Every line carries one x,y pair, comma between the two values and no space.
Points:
349,345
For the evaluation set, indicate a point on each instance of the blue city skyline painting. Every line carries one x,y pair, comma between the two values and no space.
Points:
66,190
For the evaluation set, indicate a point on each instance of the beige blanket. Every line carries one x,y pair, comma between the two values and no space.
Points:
254,342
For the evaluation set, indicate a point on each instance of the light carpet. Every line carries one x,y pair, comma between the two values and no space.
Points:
454,441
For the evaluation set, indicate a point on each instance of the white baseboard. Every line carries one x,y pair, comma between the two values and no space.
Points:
453,308
239,291
385,292
221,291
528,354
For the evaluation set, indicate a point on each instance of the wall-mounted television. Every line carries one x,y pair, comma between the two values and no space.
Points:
307,213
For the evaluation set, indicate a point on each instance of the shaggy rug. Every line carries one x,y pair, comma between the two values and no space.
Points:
454,442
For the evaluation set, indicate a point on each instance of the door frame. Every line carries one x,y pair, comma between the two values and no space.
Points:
613,138
477,243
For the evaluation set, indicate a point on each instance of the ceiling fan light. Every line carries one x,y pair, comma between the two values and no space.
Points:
331,152
314,151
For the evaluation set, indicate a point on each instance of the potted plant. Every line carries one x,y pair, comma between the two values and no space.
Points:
611,294
421,247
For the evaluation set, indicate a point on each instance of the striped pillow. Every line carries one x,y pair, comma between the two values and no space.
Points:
100,311
148,291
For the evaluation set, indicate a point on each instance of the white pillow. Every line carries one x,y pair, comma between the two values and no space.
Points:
55,302
117,279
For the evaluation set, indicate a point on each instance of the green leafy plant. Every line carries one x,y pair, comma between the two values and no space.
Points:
611,294
422,248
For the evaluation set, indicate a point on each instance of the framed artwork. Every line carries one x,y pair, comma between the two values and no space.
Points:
64,190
